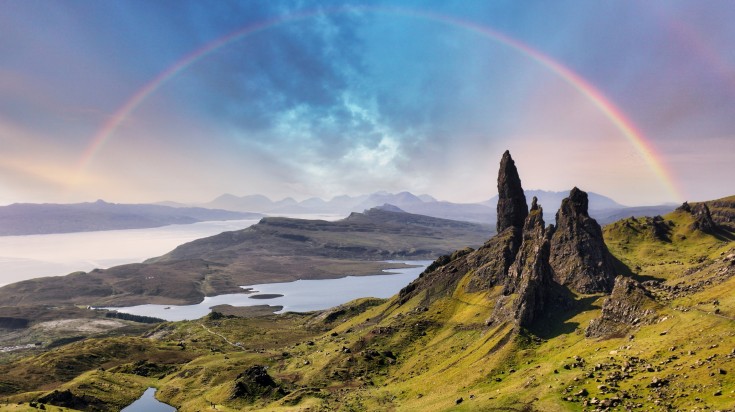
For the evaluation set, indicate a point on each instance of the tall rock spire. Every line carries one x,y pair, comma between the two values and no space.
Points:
512,207
579,256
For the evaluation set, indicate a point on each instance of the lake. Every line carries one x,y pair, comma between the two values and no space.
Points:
33,256
148,403
297,296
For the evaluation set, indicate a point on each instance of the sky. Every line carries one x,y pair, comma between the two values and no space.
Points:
144,101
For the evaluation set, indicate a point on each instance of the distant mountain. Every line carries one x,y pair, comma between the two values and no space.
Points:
552,200
32,219
602,208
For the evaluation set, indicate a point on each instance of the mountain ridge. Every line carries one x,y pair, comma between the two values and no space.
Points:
48,218
603,208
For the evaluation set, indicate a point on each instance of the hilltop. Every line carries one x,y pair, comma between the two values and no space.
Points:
636,315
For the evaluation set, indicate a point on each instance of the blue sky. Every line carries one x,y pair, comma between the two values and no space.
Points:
338,98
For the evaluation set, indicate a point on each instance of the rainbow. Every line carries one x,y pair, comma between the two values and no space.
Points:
590,92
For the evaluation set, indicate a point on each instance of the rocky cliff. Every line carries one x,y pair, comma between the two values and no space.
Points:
630,304
528,260
579,257
512,207
529,283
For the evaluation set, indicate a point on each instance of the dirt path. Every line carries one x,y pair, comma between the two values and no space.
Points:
221,336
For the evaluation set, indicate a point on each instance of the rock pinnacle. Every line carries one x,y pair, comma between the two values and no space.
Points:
512,207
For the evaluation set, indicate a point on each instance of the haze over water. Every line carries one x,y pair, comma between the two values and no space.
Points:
34,256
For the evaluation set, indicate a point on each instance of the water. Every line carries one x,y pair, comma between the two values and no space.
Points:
298,296
33,256
148,403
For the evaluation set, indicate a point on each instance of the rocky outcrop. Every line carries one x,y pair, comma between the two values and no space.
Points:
579,257
629,305
529,286
489,263
661,229
723,213
512,207
255,383
68,399
703,218
520,258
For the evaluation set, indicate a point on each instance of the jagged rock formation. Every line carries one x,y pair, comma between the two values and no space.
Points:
579,257
630,304
490,262
530,278
512,207
703,219
723,213
528,260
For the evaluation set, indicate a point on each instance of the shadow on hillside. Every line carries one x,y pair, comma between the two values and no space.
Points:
623,269
724,235
620,267
557,322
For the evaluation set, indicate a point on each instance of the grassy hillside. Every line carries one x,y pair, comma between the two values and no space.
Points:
382,355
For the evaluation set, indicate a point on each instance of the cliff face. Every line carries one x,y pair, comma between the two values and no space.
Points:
489,263
529,283
579,257
527,259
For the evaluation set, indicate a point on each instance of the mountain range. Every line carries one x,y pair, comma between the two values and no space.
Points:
33,219
602,208
46,218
